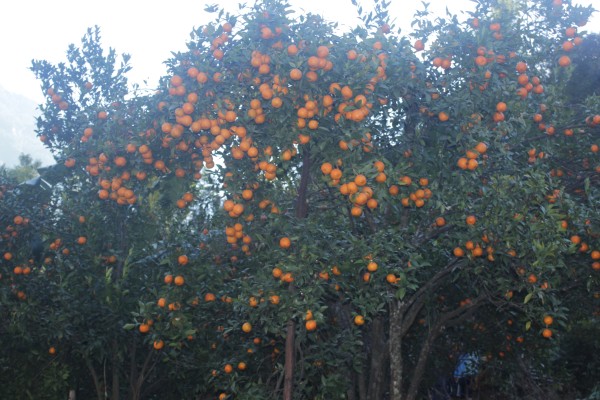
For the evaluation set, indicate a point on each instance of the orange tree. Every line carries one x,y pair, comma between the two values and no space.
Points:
79,246
376,201
379,199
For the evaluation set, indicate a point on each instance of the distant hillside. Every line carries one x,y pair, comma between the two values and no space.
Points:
17,124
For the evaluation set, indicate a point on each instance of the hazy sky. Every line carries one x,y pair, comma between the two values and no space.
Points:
148,31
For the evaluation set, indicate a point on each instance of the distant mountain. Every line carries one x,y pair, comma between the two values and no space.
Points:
17,124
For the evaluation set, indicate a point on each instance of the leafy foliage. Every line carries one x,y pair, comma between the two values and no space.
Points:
304,213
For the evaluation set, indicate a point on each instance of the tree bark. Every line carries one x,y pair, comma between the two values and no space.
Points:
449,319
395,349
288,381
379,360
94,374
421,363
72,395
290,345
116,384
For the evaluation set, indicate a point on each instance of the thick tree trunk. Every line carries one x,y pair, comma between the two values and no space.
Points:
395,349
421,364
72,395
290,345
97,384
290,350
379,360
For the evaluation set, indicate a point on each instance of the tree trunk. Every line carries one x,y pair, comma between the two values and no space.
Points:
94,375
421,364
116,385
290,345
288,382
72,395
379,360
395,350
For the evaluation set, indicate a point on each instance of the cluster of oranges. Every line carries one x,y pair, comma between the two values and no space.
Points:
469,162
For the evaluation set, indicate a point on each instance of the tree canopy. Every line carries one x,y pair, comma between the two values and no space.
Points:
303,213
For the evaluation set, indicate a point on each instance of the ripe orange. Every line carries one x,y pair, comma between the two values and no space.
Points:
247,327
359,320
158,344
295,74
547,333
481,147
144,328
182,259
548,320
372,266
310,325
209,297
443,116
471,220
179,281
285,243
564,61
322,51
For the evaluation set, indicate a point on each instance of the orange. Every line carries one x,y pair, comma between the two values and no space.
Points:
285,243
209,297
481,147
182,259
548,320
359,320
547,333
247,327
471,220
310,325
179,281
158,344
326,168
564,61
372,266
360,180
277,272
322,51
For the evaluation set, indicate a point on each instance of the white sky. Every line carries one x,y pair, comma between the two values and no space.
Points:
147,30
